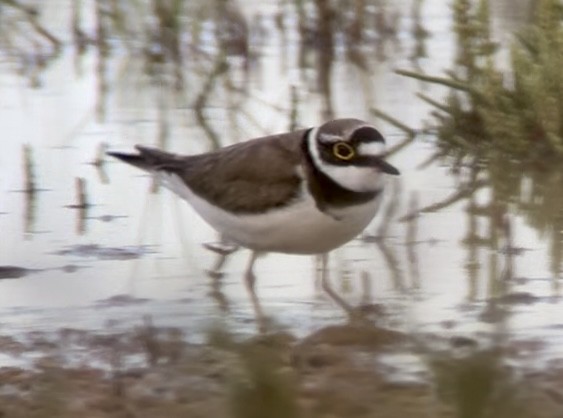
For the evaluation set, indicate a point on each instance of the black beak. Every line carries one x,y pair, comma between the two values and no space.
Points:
387,168
377,162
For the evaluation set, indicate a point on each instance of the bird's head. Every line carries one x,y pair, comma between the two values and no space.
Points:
351,152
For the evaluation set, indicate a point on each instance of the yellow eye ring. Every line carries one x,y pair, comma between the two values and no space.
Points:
343,151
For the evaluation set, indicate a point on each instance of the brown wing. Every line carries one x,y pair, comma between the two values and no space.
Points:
250,177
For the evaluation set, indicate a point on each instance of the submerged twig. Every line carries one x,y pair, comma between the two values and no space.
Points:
81,196
31,15
30,186
411,133
80,185
434,103
448,82
221,67
465,191
395,122
411,241
294,109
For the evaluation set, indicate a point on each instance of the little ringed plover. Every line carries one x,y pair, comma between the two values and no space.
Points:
303,192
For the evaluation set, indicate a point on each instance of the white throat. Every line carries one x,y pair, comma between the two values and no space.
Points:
357,179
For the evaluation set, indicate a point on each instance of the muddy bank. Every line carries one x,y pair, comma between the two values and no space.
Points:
334,372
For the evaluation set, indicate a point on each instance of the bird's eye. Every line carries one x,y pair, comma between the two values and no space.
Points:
343,151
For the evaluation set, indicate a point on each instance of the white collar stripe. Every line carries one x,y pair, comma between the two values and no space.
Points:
371,148
313,149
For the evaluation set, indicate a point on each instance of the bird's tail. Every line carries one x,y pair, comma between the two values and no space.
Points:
148,159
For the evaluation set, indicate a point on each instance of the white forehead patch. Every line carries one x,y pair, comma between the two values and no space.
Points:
371,148
329,138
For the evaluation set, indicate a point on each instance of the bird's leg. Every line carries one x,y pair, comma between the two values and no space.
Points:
324,273
250,281
223,251
216,270
330,291
249,277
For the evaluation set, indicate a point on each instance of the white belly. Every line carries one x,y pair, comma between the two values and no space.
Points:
297,229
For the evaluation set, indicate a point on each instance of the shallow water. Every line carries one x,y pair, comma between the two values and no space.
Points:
134,252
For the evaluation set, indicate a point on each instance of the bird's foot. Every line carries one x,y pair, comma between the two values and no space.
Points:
221,248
